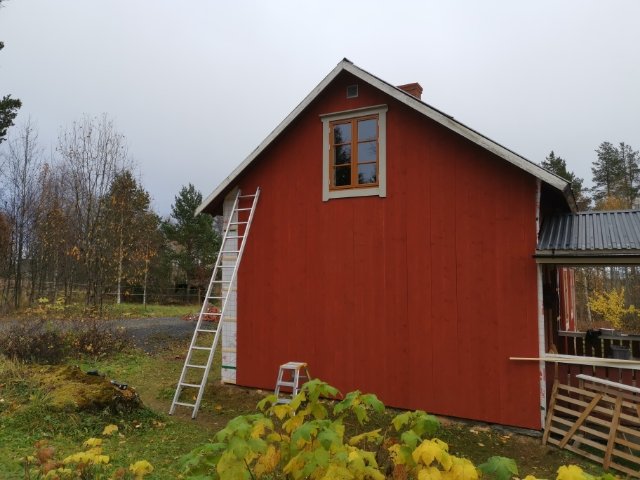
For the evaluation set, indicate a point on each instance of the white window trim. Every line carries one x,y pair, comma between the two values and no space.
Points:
381,189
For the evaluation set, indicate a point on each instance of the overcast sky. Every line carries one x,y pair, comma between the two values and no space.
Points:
196,85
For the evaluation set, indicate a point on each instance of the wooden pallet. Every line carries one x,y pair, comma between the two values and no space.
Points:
599,420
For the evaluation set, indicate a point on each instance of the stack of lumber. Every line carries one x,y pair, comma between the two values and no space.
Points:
599,420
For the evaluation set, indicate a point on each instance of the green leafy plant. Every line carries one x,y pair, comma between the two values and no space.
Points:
319,437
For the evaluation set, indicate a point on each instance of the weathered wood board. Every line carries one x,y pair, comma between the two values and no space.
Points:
599,422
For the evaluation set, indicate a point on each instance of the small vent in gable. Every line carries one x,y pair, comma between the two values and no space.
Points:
352,91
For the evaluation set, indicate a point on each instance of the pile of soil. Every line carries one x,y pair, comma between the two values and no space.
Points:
68,388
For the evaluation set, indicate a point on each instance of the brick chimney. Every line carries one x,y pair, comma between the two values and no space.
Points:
412,89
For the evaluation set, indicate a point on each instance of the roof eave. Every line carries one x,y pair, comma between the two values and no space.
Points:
345,65
272,136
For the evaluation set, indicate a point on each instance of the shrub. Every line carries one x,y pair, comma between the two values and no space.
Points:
308,439
41,341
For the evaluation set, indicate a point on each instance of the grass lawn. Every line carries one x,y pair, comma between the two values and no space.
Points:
137,310
59,311
150,434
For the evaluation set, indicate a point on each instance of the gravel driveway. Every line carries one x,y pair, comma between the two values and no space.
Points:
147,333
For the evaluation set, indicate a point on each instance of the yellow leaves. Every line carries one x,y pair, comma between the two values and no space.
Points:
372,436
293,423
530,477
267,462
93,442
462,469
429,473
337,472
281,411
571,472
610,305
258,430
140,469
110,429
430,450
90,457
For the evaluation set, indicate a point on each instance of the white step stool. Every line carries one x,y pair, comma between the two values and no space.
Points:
289,376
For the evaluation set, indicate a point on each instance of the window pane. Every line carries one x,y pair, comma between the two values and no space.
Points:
367,152
342,176
342,155
342,133
367,173
367,129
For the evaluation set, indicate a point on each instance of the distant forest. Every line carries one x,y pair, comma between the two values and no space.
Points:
76,225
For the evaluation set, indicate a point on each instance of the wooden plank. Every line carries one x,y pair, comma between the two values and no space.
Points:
628,444
630,431
614,427
583,428
619,453
580,420
578,360
573,401
552,404
579,439
609,383
584,453
577,390
568,411
627,470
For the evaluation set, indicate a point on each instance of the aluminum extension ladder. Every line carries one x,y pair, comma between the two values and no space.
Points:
289,376
195,371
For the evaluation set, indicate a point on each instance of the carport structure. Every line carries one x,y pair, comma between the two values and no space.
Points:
607,238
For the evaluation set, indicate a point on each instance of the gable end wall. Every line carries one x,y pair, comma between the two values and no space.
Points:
420,297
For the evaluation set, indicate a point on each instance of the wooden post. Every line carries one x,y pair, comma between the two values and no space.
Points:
552,404
613,432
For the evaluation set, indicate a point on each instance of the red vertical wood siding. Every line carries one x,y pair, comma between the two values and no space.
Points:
420,297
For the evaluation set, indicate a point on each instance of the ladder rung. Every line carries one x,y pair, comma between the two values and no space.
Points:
286,384
196,366
192,385
234,248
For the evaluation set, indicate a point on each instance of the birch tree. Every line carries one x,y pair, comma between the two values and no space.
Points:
92,154
23,160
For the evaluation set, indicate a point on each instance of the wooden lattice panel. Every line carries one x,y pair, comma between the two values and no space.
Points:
600,422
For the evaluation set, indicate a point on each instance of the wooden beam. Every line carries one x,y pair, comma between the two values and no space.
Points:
552,406
613,432
580,420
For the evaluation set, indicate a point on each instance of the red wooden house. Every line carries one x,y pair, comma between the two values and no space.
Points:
393,251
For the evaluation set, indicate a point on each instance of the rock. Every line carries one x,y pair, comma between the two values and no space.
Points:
70,389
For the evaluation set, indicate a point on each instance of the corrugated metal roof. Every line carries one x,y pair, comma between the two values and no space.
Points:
580,233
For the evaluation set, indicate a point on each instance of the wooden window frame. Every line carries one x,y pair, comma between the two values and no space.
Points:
355,160
354,189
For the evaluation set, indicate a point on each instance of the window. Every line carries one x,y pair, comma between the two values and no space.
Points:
354,153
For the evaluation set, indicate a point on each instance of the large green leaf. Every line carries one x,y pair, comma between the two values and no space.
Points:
499,468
